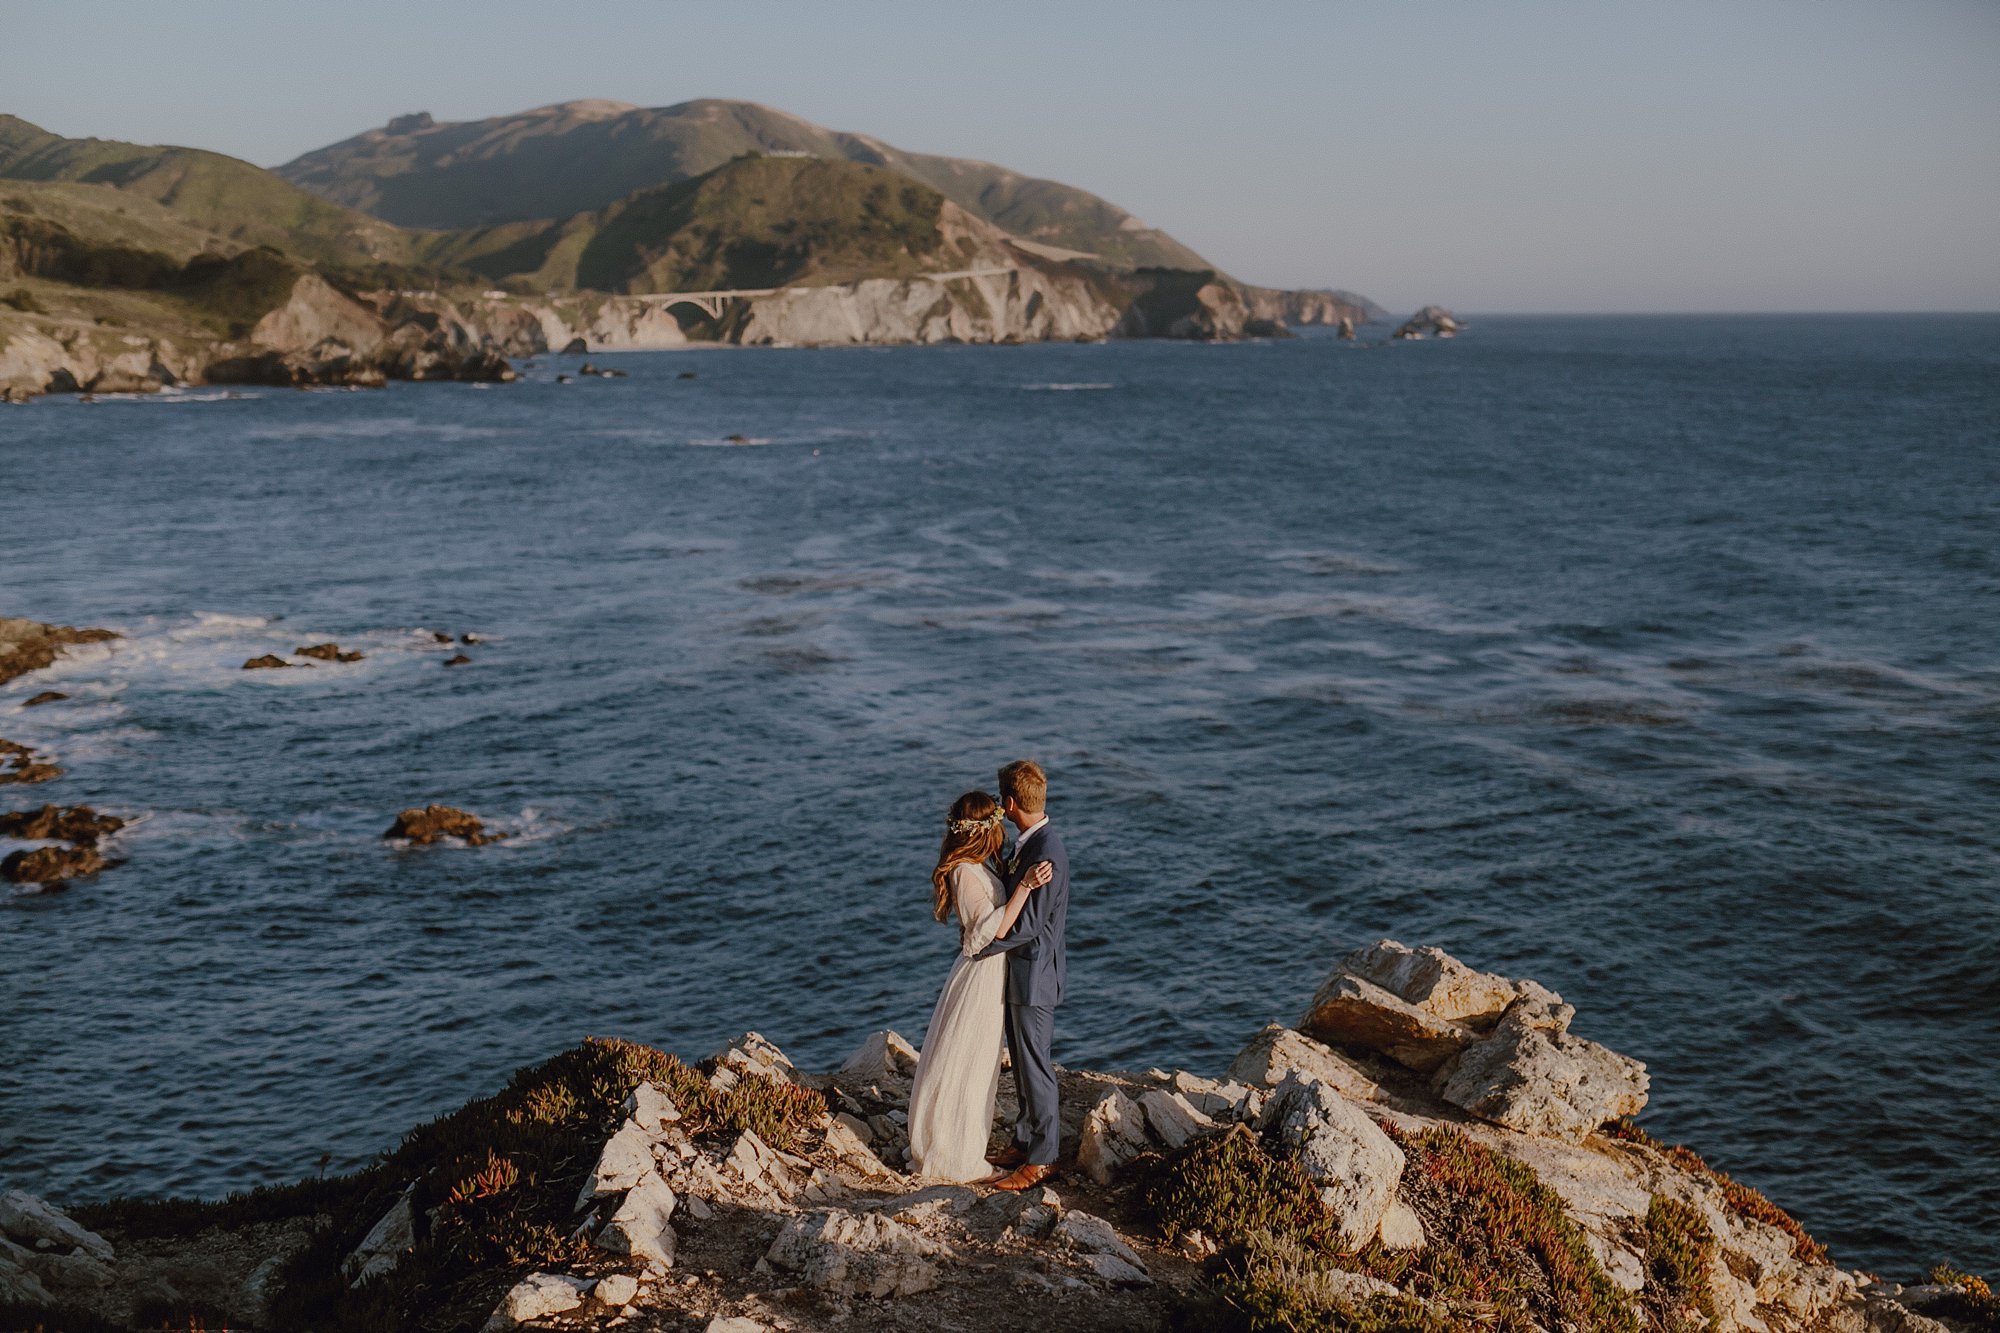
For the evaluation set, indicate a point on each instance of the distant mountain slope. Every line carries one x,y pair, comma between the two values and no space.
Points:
557,161
231,199
754,222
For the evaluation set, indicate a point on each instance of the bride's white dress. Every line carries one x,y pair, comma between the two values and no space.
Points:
958,1074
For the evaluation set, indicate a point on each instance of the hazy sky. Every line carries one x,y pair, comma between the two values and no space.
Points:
1517,156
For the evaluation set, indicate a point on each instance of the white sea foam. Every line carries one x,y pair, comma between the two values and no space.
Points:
1066,388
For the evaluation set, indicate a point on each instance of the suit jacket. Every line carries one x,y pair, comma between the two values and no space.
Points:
1037,966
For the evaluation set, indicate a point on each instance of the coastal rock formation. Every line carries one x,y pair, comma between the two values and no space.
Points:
739,1193
78,825
29,645
1332,308
45,697
1431,321
328,652
267,662
19,765
432,823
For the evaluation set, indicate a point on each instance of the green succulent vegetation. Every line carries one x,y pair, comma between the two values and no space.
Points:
1972,1301
1499,1241
1680,1255
1742,1200
493,1184
1271,1283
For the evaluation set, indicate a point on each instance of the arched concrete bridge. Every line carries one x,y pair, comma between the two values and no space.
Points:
711,303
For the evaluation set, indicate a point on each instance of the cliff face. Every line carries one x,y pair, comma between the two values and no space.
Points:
1310,307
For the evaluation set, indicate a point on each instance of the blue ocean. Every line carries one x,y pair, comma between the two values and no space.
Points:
1654,658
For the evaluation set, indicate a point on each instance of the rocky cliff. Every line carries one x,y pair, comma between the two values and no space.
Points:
1310,307
1428,1148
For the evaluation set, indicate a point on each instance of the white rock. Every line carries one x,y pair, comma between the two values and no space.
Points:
1114,1132
650,1108
384,1246
1278,1050
850,1149
1353,1011
856,1126
1089,1234
882,1055
698,1206
856,1254
1401,1228
1540,1080
535,1297
1433,981
26,1219
1217,1099
616,1289
1357,1166
1115,1270
733,1324
1172,1120
640,1226
17,1283
626,1159
929,1204
750,1053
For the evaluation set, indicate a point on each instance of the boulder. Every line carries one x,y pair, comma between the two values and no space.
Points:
1089,1234
1278,1051
45,697
882,1056
640,1225
843,1254
28,1221
1357,1165
1352,1011
268,662
1172,1120
534,1297
575,347
1114,1132
50,865
458,659
79,824
615,1289
384,1246
1532,1076
1433,981
18,764
433,823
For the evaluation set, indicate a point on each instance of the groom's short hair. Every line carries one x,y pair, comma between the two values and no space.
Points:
1026,783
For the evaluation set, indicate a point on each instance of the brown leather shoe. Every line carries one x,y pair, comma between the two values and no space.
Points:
1024,1178
1008,1157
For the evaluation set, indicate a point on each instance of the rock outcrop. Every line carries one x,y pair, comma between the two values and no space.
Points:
1433,321
435,823
29,645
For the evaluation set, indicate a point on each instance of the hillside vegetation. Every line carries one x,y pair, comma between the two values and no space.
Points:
752,223
575,157
231,200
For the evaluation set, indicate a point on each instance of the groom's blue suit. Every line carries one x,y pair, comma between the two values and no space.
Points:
1037,967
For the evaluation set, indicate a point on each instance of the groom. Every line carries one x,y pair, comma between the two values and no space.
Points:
1036,969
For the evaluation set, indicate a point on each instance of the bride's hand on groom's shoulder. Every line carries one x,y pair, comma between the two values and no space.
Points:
1041,874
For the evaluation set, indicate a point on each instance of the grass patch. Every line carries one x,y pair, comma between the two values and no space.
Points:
1680,1254
492,1184
1742,1200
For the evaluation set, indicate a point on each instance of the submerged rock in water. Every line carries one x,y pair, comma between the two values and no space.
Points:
50,865
328,652
45,697
434,822
268,662
19,765
79,824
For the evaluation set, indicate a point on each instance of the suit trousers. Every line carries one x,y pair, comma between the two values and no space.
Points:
1038,1129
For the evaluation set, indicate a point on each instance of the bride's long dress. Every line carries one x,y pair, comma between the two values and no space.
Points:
958,1074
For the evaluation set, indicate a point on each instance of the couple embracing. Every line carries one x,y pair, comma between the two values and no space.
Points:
1008,980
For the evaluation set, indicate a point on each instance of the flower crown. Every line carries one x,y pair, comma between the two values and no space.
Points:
993,820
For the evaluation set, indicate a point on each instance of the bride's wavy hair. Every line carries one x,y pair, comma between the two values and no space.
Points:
973,832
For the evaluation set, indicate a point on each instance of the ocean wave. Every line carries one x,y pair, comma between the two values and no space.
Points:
1080,387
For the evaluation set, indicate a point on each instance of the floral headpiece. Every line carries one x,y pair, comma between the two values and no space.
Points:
993,820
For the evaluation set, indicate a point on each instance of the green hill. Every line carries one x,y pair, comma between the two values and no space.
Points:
576,157
230,200
751,223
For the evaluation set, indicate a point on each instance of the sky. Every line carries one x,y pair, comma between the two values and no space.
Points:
1525,156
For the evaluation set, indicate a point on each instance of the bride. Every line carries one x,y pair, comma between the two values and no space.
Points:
958,1074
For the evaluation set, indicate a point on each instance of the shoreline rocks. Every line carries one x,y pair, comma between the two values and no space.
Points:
433,823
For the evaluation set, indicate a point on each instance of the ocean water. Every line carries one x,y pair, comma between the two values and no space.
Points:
1657,659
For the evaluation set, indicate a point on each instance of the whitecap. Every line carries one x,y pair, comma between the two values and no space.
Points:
1080,387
